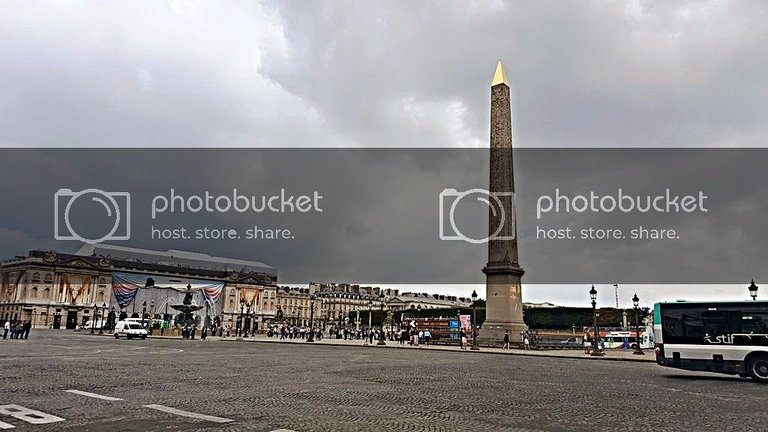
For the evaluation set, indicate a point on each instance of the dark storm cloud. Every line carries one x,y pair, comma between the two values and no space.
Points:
380,218
598,74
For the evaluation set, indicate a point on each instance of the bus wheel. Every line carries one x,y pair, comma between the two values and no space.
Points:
758,368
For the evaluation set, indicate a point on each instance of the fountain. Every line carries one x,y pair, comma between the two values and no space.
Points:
186,308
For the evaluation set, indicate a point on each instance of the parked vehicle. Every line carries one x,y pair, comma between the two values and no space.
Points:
130,330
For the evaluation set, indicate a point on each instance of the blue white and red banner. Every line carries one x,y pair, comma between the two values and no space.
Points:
126,286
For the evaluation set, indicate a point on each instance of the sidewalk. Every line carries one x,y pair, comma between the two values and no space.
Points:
611,355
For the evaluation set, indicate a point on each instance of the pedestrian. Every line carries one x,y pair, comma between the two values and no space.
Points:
194,329
427,336
27,327
506,340
6,328
587,344
370,337
13,329
463,336
526,341
204,333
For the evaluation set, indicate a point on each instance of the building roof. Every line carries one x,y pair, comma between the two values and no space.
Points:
175,257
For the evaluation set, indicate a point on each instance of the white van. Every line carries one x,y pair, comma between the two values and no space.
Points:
130,330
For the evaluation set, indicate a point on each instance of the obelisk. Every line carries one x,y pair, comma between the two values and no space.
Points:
504,306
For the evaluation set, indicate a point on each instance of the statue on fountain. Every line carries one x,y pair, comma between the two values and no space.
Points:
186,308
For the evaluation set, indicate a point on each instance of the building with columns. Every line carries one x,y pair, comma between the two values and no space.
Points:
63,291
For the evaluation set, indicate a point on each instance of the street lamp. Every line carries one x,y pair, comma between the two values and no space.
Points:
112,320
240,324
595,347
247,321
636,303
152,315
381,336
143,313
311,318
93,316
753,290
474,322
103,309
370,306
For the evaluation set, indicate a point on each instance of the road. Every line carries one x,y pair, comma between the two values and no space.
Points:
230,386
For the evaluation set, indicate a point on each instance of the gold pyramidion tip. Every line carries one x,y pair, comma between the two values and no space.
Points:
499,77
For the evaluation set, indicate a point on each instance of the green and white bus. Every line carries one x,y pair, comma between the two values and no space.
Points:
723,337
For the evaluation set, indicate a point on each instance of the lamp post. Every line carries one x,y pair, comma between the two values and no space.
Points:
381,336
370,306
753,290
93,316
247,320
240,324
311,318
474,322
595,346
143,313
112,320
636,303
151,315
103,309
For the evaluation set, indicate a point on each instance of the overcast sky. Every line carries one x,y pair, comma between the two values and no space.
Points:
387,74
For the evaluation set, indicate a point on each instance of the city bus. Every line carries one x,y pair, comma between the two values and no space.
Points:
722,337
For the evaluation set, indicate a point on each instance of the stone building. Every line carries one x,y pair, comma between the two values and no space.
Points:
60,290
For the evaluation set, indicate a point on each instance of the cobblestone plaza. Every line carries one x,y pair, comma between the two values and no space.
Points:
259,386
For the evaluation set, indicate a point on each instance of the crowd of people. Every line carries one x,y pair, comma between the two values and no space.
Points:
16,329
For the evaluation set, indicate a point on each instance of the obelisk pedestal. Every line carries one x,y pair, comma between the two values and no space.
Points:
504,306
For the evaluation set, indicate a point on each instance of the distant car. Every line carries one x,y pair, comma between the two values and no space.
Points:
130,330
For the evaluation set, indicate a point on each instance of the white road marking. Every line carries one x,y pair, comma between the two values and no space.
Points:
188,414
92,395
28,415
4,425
283,430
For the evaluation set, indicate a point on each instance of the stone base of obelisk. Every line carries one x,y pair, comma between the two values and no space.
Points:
504,306
492,333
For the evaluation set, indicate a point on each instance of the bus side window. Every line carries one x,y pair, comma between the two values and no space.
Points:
754,322
716,323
